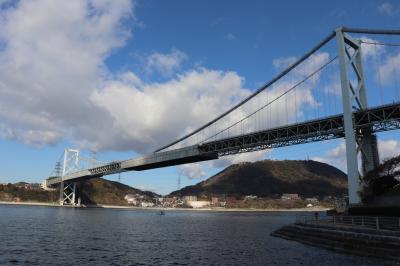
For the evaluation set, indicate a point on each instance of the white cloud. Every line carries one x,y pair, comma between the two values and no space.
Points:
54,83
305,68
5,132
283,62
165,64
52,58
388,148
193,170
370,49
337,156
384,61
199,170
389,70
387,8
334,86
146,117
231,36
255,115
238,158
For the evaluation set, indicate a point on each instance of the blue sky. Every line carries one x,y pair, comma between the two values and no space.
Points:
68,78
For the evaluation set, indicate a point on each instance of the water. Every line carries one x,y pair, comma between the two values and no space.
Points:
32,235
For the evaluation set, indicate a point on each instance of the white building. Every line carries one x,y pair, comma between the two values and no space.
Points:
147,204
198,204
190,198
131,199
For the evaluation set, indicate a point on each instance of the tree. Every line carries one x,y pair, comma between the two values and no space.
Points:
382,179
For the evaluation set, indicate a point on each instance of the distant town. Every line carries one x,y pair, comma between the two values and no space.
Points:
27,192
192,201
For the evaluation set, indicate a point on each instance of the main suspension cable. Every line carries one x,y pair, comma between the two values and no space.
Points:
274,100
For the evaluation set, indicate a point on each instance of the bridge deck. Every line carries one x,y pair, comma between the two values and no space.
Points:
382,118
377,119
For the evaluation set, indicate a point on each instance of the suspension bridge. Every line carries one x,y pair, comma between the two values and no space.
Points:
347,86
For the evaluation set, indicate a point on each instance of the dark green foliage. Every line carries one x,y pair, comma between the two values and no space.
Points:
270,178
106,192
11,192
381,180
92,191
392,211
264,203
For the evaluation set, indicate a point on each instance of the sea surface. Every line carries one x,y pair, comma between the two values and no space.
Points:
39,235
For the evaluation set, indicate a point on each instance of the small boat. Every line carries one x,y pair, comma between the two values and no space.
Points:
161,213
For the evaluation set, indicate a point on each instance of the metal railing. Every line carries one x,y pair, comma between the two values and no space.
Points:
372,222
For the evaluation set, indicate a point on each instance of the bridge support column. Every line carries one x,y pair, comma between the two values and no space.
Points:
369,152
68,193
68,189
354,96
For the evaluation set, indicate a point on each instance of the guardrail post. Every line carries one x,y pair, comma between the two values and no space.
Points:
352,220
362,220
377,223
334,219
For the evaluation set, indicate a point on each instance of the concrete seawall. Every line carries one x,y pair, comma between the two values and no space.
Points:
357,241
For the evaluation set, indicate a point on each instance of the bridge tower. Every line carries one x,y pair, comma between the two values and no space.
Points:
354,96
68,189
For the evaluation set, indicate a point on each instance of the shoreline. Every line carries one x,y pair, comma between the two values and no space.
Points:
218,209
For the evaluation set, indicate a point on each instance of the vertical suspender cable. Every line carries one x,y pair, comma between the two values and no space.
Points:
286,110
295,99
396,80
378,70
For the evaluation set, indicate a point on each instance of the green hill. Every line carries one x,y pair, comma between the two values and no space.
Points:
14,192
92,191
102,191
270,178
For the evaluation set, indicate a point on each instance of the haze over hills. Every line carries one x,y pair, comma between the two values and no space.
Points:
270,178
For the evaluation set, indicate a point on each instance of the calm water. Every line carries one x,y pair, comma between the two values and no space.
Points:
31,235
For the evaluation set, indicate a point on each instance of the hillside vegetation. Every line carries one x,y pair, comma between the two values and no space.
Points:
92,191
102,191
269,178
11,192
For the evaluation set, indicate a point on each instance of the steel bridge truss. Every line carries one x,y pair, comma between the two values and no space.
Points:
378,119
68,191
110,168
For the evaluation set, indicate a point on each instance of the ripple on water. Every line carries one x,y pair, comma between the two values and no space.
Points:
63,236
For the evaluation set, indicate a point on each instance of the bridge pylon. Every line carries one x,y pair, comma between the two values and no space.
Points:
68,189
354,96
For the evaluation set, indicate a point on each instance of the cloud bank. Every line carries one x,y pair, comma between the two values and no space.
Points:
54,83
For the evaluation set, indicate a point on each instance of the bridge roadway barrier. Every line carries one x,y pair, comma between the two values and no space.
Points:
156,160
